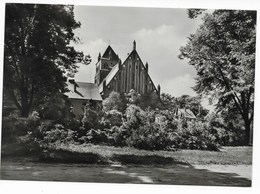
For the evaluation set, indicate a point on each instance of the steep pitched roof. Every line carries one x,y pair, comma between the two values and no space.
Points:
115,70
110,51
84,91
109,77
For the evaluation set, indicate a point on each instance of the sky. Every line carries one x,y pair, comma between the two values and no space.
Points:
158,32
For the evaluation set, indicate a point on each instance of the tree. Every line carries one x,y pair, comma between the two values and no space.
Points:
193,103
114,102
37,52
168,101
223,52
193,13
57,108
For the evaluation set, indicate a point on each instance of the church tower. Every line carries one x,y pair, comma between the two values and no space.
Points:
105,63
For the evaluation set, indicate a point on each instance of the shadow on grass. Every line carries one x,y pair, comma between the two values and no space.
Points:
156,174
61,165
65,156
145,160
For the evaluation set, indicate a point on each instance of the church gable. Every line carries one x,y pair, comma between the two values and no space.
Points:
131,74
110,54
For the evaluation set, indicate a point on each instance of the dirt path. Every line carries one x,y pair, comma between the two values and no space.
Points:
244,171
116,173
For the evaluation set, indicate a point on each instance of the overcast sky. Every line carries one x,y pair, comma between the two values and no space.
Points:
158,32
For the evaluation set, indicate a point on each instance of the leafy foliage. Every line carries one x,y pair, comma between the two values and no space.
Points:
192,103
223,53
112,118
227,134
193,13
143,129
135,116
37,52
90,119
168,101
59,134
114,102
57,108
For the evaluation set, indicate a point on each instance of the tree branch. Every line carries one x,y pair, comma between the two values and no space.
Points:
14,60
31,95
234,96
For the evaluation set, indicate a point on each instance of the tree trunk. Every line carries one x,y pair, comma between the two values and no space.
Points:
247,131
25,110
25,107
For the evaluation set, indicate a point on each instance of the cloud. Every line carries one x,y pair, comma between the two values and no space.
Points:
159,34
159,46
179,85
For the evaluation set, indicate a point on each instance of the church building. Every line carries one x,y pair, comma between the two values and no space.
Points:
112,75
132,74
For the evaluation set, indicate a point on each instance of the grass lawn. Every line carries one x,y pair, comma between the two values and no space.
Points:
226,155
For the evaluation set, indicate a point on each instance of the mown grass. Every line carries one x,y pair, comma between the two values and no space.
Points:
226,156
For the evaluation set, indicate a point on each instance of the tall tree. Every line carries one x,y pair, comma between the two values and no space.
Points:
223,52
37,52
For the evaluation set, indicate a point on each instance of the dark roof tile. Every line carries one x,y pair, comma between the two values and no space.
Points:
84,91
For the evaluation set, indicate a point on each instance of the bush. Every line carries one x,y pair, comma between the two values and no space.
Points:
118,135
14,126
195,136
56,107
149,137
135,116
9,129
90,120
114,102
227,134
112,118
152,130
33,121
59,134
46,135
96,136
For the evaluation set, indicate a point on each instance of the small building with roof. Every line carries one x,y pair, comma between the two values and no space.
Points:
81,93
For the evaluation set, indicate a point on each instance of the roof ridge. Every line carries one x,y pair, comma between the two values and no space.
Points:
111,72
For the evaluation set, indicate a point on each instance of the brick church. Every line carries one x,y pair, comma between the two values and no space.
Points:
114,75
